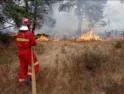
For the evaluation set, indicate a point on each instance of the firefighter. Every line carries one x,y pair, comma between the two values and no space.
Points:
24,41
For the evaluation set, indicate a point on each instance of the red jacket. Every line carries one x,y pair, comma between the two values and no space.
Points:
24,41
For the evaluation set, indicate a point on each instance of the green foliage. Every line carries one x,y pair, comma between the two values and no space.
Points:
16,12
34,10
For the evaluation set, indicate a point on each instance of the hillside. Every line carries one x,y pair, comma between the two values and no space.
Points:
68,68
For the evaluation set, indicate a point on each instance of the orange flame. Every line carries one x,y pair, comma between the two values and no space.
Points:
43,38
107,39
88,36
122,38
56,39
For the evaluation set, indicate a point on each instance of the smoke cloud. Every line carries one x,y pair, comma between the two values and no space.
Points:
66,22
114,15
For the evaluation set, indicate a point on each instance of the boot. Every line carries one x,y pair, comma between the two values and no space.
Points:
28,81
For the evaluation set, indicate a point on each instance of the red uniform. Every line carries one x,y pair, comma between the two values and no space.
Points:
25,40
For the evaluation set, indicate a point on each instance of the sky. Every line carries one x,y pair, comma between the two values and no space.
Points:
114,12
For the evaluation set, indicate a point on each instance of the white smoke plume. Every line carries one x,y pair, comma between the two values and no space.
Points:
66,22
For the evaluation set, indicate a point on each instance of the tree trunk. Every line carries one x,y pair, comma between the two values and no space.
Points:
34,27
26,4
79,14
79,25
35,17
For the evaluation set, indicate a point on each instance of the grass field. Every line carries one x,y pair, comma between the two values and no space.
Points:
68,68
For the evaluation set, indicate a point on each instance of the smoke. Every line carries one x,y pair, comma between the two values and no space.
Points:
114,18
66,22
65,26
114,15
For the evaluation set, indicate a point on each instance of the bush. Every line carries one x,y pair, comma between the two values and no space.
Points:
39,49
4,38
119,44
112,87
94,59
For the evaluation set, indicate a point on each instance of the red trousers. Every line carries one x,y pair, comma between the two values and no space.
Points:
25,62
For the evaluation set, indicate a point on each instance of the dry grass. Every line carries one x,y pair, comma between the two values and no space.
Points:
8,53
73,68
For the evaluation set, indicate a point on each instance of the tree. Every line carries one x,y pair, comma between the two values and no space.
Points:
3,18
35,10
90,9
1,15
11,12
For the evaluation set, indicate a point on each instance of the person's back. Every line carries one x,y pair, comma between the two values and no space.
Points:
24,41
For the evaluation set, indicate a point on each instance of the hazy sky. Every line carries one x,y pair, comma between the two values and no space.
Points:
114,12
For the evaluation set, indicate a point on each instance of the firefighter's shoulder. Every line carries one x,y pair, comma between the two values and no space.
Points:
29,33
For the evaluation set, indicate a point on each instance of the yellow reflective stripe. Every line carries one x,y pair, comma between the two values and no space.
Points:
36,63
22,39
29,73
21,80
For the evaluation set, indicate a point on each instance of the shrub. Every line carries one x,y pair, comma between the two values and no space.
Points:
39,49
94,59
112,87
4,38
118,44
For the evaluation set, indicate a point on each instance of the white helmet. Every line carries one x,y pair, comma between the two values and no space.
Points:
23,28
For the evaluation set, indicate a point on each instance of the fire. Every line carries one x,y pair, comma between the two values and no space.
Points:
56,39
43,38
88,36
122,38
46,38
108,39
